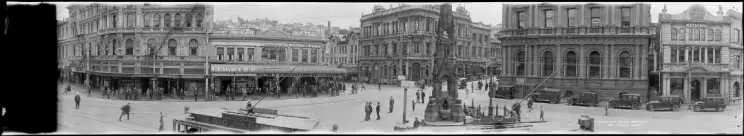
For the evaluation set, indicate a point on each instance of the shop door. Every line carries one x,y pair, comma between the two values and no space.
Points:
695,92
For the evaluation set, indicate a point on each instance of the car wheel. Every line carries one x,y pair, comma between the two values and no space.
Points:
649,107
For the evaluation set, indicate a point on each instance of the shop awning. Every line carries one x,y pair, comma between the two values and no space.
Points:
274,69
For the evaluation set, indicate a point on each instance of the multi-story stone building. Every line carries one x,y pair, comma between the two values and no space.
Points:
494,54
264,57
345,54
577,47
139,45
701,54
401,40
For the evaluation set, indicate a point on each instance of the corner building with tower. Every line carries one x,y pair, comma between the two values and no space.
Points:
401,40
700,54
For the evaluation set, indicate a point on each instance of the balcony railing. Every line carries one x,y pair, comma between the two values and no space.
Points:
603,30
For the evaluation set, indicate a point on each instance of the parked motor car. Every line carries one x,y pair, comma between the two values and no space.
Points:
505,92
627,101
590,98
671,103
717,103
549,95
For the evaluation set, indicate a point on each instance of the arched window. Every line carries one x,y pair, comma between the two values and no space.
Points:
520,63
156,20
177,20
674,34
696,34
172,44
188,20
570,63
129,47
682,34
595,64
151,46
114,49
193,47
625,62
547,63
167,21
148,18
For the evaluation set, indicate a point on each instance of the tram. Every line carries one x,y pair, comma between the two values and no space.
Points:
241,121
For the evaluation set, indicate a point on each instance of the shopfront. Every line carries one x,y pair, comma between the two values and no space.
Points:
698,83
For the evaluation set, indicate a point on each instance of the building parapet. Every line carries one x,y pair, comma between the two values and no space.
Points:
604,30
431,8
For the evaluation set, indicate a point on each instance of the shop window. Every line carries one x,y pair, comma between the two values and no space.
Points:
114,47
711,35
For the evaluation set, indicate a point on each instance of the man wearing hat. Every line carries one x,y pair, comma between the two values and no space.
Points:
77,100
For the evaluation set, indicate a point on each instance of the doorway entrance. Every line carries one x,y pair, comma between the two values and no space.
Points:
695,90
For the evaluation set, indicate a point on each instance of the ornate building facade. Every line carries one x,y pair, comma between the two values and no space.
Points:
577,47
401,40
267,57
701,54
140,46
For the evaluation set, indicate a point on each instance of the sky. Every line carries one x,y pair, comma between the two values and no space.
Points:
347,15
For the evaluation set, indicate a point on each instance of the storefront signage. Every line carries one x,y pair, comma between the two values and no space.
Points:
696,25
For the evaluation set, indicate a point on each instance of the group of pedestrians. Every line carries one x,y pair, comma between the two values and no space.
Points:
368,109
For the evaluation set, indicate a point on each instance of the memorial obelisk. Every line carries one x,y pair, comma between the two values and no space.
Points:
444,108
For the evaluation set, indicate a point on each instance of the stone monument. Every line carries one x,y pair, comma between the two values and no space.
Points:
444,107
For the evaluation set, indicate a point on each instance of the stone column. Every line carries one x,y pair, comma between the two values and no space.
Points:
704,88
582,62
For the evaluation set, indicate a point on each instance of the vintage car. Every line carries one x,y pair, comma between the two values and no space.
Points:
717,103
626,101
671,103
585,99
548,95
505,92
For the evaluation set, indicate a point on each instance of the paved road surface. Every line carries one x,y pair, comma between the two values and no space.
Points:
101,116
